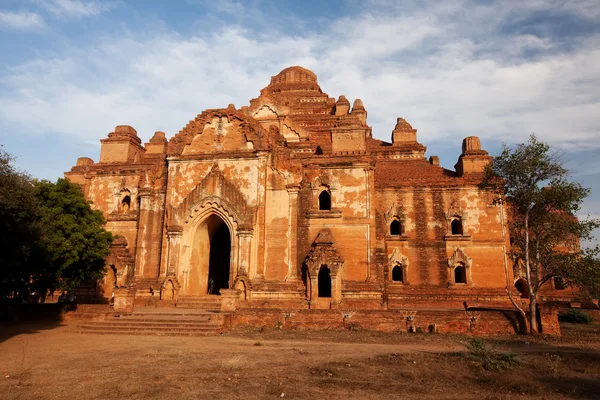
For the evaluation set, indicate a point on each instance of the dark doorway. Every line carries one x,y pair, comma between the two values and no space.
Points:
220,254
460,274
325,200
324,282
397,274
457,228
395,228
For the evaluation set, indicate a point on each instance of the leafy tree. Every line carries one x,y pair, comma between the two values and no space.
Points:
49,235
74,240
545,233
20,228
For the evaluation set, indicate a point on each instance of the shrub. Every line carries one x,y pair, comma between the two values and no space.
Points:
490,359
575,317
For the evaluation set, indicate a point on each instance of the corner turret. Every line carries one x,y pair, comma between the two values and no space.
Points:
123,145
473,159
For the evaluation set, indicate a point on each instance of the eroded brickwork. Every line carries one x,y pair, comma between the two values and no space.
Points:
292,202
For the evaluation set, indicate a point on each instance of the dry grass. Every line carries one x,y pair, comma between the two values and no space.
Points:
58,364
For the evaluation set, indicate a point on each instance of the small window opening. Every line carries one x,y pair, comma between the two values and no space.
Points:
397,274
521,286
325,201
113,275
319,151
395,228
324,282
559,283
126,203
457,228
460,274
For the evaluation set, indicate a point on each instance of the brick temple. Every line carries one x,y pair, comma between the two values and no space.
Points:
291,203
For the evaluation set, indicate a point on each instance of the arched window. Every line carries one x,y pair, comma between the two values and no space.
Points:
325,201
126,203
521,286
397,274
460,274
395,228
559,283
324,282
457,228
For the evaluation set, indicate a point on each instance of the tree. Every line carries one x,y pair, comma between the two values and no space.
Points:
20,228
542,204
74,240
49,235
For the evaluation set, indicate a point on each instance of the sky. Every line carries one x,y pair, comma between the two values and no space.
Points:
71,70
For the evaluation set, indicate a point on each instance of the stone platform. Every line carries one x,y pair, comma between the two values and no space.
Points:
157,321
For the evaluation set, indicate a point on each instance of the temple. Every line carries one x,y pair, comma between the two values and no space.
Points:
291,203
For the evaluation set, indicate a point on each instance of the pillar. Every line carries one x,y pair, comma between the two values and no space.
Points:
174,239
292,273
244,258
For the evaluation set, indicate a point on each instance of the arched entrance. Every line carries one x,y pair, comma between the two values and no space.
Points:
324,282
220,255
211,257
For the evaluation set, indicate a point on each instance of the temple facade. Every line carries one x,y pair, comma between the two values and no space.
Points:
292,202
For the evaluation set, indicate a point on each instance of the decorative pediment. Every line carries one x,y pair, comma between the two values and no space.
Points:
396,211
396,258
323,253
266,111
213,189
325,178
218,130
459,256
456,210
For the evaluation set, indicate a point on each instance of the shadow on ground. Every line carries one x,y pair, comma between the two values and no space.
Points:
30,318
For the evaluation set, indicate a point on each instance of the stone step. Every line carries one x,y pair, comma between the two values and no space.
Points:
152,324
165,318
158,321
174,312
148,332
115,328
199,306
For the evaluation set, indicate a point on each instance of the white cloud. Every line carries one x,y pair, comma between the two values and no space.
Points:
76,8
22,21
444,70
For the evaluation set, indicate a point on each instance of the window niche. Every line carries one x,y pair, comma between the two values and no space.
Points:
395,220
323,198
459,269
397,274
460,274
398,267
456,226
125,207
455,221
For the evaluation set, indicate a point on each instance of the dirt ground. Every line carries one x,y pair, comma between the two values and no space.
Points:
52,362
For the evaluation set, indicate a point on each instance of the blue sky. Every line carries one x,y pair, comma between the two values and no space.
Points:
71,70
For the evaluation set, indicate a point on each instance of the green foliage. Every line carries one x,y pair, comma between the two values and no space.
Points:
490,359
49,235
76,244
544,230
575,317
20,227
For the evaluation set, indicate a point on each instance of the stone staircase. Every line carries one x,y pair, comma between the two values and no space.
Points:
159,322
209,302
